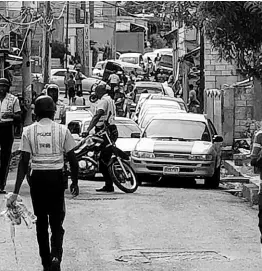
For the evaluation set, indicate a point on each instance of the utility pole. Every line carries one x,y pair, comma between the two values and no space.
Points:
86,54
114,35
46,47
202,68
67,20
26,66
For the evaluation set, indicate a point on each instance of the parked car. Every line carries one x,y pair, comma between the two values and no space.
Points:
126,128
150,113
99,69
78,113
147,87
157,104
179,145
57,77
133,58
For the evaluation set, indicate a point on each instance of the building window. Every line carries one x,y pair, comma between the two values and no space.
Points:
98,25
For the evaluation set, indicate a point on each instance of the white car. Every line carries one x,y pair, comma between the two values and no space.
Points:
78,113
179,145
152,112
57,77
99,69
157,104
133,58
128,132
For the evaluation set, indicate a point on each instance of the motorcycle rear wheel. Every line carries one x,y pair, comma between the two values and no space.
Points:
118,176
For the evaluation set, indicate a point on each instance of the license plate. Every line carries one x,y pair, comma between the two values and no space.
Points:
170,170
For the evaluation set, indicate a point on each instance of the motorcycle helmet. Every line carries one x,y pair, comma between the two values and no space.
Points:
52,90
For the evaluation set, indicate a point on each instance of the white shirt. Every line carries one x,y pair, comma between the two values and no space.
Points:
114,78
10,104
47,141
107,105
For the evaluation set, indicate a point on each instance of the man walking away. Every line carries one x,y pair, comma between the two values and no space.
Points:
105,108
66,78
71,89
10,112
45,142
79,78
114,81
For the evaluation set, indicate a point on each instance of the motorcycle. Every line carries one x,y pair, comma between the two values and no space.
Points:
88,152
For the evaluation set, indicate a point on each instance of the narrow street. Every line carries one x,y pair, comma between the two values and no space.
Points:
156,228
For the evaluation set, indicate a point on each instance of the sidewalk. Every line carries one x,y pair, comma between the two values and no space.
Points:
249,190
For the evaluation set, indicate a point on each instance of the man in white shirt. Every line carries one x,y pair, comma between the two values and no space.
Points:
105,111
9,112
114,81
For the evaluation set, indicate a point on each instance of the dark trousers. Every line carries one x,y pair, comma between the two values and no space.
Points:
112,90
260,208
6,143
66,90
106,154
79,88
47,193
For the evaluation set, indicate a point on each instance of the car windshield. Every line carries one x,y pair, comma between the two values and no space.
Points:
125,129
99,65
133,60
177,130
146,89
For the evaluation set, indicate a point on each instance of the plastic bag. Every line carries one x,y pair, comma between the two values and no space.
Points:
18,213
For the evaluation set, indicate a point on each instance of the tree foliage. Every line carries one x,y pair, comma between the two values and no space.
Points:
234,29
157,42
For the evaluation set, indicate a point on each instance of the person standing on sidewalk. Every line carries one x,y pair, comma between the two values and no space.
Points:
10,112
66,79
45,142
79,78
256,161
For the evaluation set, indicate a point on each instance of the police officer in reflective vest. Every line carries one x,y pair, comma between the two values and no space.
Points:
46,142
9,112
104,109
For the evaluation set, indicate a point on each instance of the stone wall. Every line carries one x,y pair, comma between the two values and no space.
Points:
217,73
243,110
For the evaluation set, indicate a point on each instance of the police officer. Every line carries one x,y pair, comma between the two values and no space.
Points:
52,90
9,112
256,161
104,109
46,142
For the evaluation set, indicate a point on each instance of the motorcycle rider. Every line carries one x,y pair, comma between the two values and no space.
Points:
105,110
119,101
52,90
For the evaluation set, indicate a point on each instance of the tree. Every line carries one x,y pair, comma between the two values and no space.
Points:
234,29
58,50
157,42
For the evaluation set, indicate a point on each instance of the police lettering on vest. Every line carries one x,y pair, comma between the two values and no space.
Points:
107,105
47,141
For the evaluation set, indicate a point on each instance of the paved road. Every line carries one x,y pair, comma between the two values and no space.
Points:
156,228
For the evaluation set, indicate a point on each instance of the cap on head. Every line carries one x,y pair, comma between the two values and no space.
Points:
44,104
4,82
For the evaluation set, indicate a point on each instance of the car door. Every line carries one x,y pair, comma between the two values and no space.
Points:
217,146
58,79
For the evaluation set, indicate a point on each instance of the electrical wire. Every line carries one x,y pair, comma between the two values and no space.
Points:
22,24
62,12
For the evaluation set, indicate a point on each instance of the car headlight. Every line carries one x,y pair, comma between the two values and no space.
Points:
205,157
82,164
90,153
142,154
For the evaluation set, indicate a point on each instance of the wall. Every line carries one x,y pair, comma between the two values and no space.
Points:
231,109
218,73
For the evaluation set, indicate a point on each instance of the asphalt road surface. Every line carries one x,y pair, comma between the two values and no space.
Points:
156,228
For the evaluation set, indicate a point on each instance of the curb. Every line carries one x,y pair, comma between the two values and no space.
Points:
249,190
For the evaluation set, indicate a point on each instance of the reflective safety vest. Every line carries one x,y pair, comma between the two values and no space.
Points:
47,143
10,104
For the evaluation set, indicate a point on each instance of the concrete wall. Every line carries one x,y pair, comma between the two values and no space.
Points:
217,73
